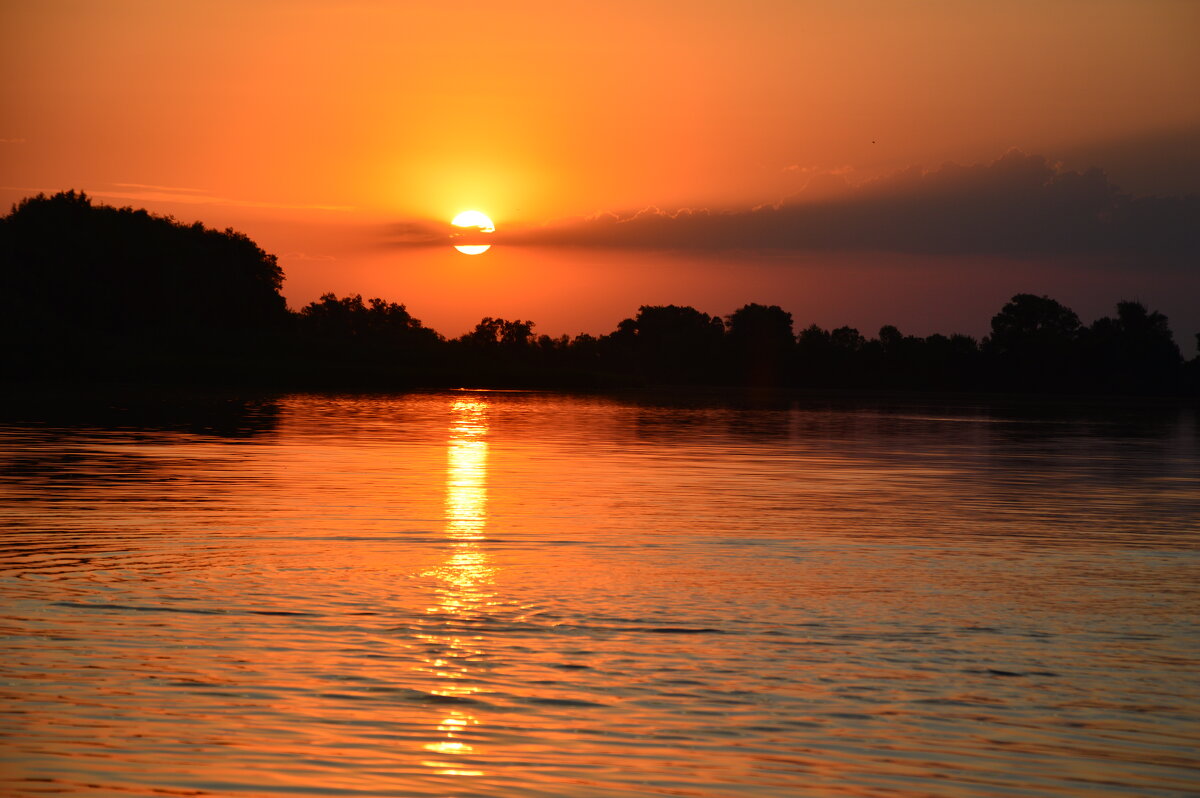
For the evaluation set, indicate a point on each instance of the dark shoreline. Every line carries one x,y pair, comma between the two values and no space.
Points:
138,403
103,296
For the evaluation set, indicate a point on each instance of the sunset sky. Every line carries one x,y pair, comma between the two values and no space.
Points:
858,163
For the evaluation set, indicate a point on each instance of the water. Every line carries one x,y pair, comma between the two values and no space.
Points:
511,594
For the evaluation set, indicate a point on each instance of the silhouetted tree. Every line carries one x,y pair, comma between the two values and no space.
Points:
948,362
891,340
1034,343
501,352
761,344
814,357
813,341
1133,353
347,342
670,343
501,332
849,358
376,328
832,359
585,352
847,339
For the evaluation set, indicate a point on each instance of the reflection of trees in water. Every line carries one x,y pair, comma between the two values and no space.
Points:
69,413
131,457
1039,469
464,594
865,423
142,442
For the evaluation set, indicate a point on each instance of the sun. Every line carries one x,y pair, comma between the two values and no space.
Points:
479,222
474,219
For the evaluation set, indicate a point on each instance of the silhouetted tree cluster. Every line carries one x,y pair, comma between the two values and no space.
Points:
376,330
97,291
86,285
666,343
1039,344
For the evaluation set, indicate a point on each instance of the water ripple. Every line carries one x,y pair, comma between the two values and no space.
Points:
536,595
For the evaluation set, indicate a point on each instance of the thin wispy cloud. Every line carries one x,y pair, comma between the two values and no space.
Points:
418,233
171,189
142,192
192,196
307,256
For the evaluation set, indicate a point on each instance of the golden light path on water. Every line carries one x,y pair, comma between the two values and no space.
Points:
465,577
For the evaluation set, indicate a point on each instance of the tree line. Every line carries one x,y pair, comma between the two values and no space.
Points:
100,293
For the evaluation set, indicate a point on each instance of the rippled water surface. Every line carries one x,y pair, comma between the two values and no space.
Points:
511,594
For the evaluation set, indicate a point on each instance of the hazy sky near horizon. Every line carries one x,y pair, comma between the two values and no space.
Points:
320,127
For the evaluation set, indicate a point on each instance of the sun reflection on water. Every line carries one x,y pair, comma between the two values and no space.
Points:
464,579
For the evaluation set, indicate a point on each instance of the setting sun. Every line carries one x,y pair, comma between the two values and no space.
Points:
478,222
474,219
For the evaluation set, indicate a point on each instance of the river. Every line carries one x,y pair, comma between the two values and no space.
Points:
533,594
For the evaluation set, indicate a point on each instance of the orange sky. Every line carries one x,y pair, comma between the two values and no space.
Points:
313,125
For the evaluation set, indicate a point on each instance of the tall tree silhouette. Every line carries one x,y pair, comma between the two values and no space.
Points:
1034,341
761,344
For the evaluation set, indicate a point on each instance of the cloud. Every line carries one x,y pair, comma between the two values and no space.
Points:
418,233
1164,161
161,188
1017,205
144,192
306,256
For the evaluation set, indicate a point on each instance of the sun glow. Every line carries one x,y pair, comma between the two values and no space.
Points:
474,219
473,222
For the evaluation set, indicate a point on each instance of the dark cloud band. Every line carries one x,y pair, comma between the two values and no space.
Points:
1018,204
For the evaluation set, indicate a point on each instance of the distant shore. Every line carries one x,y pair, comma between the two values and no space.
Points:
103,295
